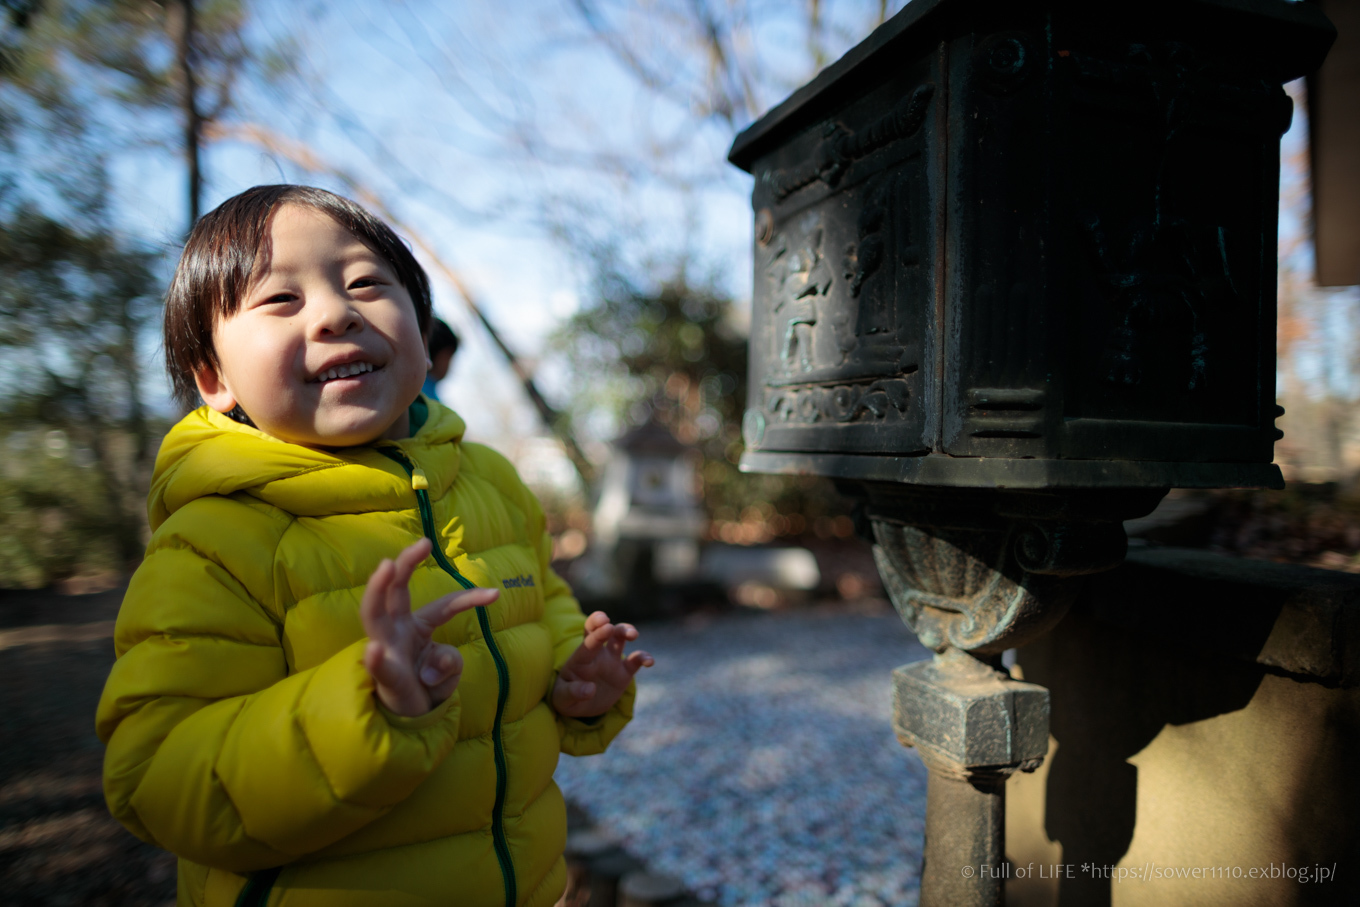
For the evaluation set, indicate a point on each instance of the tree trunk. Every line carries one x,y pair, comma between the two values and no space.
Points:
183,27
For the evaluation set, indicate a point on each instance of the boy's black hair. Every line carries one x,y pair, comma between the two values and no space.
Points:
219,261
442,337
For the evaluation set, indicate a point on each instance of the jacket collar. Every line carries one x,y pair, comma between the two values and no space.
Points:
207,453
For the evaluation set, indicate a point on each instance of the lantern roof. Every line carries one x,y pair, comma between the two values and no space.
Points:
1293,36
651,438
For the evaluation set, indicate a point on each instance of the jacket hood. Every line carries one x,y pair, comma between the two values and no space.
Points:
207,453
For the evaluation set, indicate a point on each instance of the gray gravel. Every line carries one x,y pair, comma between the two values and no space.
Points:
761,767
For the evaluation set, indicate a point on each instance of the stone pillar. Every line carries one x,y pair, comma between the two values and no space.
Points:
974,573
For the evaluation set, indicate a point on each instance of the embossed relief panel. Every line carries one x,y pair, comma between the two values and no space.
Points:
1171,152
843,281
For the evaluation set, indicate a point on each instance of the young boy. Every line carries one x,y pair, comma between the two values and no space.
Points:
278,716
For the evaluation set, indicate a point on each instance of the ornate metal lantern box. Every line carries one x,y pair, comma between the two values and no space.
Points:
1014,278
1027,245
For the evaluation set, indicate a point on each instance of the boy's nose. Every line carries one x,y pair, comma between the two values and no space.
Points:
336,314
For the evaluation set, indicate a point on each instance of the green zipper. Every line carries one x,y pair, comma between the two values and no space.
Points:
498,838
257,888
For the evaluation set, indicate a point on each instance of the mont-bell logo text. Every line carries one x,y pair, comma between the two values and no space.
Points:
518,582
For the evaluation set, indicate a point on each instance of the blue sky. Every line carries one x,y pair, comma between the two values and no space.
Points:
429,104
523,280
445,93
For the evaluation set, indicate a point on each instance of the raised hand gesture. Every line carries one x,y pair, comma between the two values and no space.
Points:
597,673
412,674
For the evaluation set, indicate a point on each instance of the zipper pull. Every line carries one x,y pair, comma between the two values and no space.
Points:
418,480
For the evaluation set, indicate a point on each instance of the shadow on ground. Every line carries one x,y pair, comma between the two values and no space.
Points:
58,843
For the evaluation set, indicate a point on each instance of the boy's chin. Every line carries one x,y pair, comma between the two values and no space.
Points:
357,435
332,433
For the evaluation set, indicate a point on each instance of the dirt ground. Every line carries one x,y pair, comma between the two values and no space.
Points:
58,843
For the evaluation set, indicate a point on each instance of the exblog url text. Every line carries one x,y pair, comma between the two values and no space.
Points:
1304,875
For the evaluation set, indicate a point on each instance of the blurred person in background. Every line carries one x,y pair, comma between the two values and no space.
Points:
443,344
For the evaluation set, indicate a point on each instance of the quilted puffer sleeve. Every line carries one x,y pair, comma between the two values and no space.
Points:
215,752
567,625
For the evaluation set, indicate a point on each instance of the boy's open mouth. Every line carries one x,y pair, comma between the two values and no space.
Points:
348,370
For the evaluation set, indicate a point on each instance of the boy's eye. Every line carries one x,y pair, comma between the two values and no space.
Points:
363,282
282,297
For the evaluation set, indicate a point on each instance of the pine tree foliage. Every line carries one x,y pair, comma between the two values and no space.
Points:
74,314
82,81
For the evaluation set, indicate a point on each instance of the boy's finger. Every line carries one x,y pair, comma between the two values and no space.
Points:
636,661
399,592
622,635
443,609
398,602
595,639
379,667
596,620
410,558
440,662
373,605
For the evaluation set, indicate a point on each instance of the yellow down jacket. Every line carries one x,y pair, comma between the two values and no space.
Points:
241,726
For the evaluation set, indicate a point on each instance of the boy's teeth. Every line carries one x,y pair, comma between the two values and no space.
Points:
345,371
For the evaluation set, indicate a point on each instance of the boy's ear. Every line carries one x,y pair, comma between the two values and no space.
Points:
214,390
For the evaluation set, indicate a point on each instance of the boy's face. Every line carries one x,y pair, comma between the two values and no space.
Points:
325,349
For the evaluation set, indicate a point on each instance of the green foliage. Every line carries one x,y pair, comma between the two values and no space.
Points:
15,19
85,80
131,44
57,517
73,307
47,148
669,354
672,352
124,51
81,80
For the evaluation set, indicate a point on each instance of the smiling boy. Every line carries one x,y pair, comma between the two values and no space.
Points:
278,716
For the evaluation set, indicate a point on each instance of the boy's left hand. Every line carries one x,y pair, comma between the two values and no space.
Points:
597,673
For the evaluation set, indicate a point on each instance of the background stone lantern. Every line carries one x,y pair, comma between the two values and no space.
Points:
648,518
1014,278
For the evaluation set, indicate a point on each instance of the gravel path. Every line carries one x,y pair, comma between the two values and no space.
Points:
761,767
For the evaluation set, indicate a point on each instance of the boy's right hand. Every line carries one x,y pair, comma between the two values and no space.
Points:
411,673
